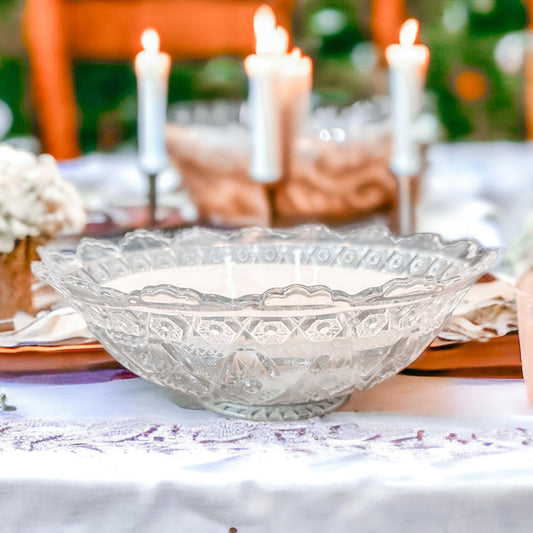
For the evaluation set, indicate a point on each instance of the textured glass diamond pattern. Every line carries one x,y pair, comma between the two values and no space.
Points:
218,331
166,329
323,329
371,323
270,331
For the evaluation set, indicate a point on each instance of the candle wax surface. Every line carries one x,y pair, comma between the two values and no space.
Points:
234,280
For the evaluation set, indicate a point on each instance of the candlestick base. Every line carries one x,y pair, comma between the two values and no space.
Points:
404,220
3,404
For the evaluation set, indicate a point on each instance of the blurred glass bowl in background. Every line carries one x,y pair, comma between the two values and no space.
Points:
338,171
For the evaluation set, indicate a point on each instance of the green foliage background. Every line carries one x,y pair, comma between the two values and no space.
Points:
328,30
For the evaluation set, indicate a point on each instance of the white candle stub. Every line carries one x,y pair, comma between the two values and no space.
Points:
279,97
407,72
152,68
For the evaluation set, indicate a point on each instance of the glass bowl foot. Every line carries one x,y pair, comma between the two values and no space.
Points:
276,412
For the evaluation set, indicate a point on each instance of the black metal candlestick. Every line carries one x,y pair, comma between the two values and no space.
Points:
406,204
152,199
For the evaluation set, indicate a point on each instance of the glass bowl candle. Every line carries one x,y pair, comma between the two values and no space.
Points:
338,171
262,324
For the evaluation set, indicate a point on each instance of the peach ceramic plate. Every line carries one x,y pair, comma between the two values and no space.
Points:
498,358
67,358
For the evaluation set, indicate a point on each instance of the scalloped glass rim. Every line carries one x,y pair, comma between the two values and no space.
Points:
60,268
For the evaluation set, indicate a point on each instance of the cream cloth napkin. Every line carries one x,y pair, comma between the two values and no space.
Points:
488,310
56,327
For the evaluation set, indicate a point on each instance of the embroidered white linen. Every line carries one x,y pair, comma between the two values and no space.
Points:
120,456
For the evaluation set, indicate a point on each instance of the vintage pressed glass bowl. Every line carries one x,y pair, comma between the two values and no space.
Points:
263,324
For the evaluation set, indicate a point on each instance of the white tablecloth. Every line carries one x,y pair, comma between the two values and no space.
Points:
478,190
411,455
420,454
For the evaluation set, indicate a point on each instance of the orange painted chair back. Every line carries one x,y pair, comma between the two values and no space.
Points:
58,31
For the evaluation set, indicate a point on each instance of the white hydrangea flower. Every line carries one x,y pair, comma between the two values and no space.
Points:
35,199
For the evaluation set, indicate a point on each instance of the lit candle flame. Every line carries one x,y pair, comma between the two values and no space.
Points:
150,41
409,32
270,39
296,53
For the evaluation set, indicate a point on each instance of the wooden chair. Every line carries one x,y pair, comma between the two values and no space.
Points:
58,31
386,18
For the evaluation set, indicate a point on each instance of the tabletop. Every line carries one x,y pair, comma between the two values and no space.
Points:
104,450
107,451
